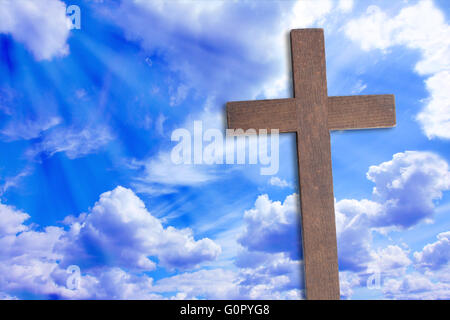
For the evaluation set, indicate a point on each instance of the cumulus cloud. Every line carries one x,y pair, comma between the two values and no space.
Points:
272,226
354,235
120,225
274,276
117,234
435,255
42,26
260,271
390,261
12,220
420,26
270,276
347,282
120,229
416,286
214,284
117,284
435,117
269,262
407,186
28,257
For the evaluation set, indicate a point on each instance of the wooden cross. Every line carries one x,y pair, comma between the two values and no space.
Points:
311,114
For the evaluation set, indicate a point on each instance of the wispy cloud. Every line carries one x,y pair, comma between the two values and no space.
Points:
10,182
73,141
162,170
359,87
29,129
277,182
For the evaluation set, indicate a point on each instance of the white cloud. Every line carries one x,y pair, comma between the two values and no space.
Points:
407,186
29,129
120,229
416,286
27,257
354,235
346,5
246,43
272,226
179,95
390,261
160,175
117,284
435,117
4,296
347,281
10,182
161,170
7,100
404,194
213,284
421,26
114,243
42,26
270,276
12,220
117,233
160,124
120,225
306,13
359,87
435,255
74,142
277,182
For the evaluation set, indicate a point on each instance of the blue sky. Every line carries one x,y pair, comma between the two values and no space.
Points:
86,117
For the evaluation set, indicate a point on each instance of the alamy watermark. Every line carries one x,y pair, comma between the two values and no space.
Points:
74,14
73,280
208,147
374,281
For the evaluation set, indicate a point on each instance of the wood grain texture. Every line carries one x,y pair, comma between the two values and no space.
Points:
312,114
361,112
314,163
263,114
344,113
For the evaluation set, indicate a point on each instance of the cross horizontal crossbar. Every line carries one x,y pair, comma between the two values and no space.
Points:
344,113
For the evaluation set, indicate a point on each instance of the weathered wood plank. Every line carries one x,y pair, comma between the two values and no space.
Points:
361,112
344,113
263,114
314,162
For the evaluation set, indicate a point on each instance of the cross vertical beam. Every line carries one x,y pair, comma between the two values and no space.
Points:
314,164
